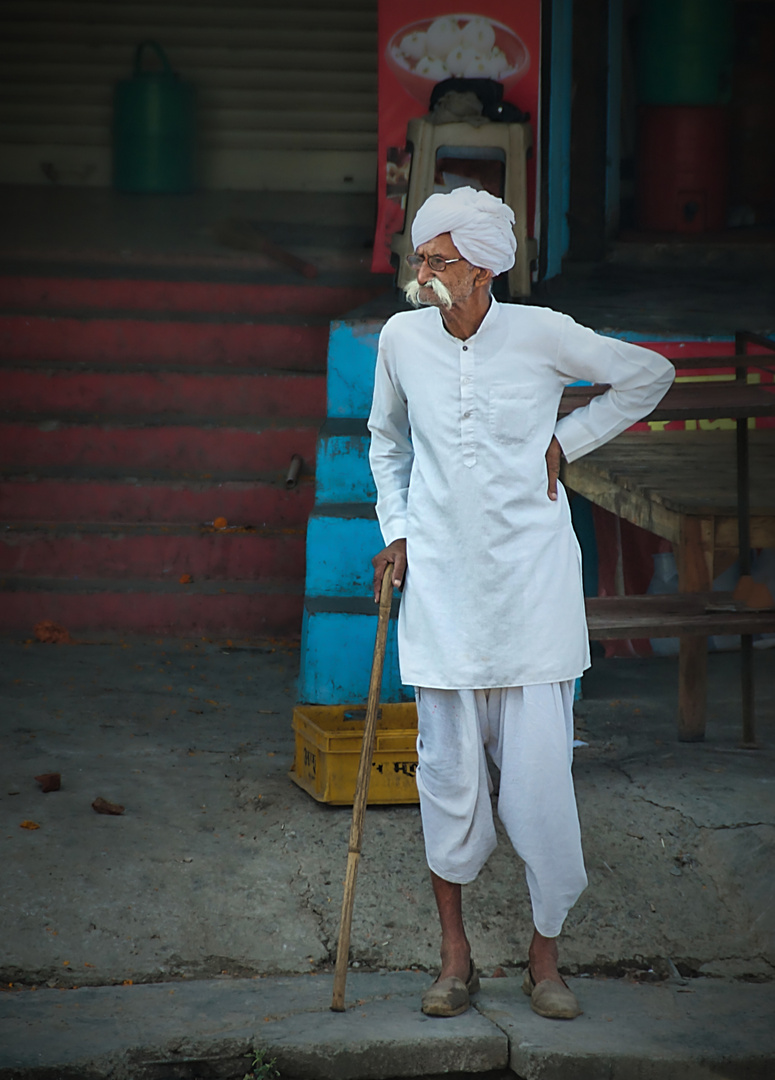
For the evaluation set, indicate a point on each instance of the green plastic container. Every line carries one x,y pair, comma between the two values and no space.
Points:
685,52
154,129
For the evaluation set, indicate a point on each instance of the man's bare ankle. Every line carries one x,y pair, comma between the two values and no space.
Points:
456,960
543,958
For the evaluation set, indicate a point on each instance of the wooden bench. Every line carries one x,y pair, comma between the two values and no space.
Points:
696,615
681,486
712,495
613,617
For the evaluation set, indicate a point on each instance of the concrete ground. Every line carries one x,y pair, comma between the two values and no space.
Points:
694,1030
222,880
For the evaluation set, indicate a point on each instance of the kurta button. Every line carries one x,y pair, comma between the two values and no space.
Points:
466,415
465,348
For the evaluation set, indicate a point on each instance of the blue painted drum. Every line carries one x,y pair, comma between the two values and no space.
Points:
339,553
342,473
340,623
337,649
352,357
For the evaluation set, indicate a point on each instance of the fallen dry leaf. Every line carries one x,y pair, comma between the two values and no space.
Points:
102,806
49,781
185,579
220,523
29,825
51,633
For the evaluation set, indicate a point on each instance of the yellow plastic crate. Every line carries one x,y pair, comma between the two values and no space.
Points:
328,750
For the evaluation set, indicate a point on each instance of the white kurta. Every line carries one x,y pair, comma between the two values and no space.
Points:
493,593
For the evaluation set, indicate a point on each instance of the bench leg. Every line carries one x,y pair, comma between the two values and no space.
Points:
694,560
747,688
692,688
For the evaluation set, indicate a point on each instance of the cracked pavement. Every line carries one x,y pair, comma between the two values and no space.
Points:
221,867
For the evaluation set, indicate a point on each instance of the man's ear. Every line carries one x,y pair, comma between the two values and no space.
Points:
483,278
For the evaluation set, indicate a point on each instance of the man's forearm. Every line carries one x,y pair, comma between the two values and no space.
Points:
611,413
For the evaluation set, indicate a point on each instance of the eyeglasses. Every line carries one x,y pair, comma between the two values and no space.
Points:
435,262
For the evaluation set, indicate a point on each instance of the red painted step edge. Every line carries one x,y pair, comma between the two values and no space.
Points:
141,341
166,447
194,502
119,294
179,615
142,393
211,556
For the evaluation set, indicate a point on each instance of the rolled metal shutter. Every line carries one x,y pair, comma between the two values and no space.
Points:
287,90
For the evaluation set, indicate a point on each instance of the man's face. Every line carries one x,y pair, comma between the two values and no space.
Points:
456,278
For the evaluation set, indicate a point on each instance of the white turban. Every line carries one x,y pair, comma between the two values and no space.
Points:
480,226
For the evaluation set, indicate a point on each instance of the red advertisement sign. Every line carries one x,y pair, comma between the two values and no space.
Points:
423,42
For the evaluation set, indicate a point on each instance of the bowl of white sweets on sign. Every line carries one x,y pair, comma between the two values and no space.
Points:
426,52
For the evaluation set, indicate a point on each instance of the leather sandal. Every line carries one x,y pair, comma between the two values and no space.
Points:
549,999
450,996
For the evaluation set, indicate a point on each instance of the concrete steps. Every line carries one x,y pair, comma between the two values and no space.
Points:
63,497
118,294
44,389
99,605
190,444
145,551
279,341
133,414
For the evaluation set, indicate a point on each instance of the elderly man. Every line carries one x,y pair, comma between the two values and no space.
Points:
465,452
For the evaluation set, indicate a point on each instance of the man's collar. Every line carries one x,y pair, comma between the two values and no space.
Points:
487,324
490,319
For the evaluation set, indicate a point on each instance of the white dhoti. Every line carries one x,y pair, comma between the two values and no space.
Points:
528,733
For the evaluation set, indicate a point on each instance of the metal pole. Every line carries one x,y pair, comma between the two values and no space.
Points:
744,553
294,469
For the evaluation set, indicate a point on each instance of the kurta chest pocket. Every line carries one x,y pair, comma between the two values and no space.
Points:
513,413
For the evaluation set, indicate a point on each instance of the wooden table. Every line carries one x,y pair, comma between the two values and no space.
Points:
682,486
710,493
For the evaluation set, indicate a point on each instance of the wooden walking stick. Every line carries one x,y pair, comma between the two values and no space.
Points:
362,790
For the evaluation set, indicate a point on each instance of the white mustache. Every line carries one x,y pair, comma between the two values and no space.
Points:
412,292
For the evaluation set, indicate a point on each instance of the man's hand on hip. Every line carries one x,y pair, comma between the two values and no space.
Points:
394,553
553,456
